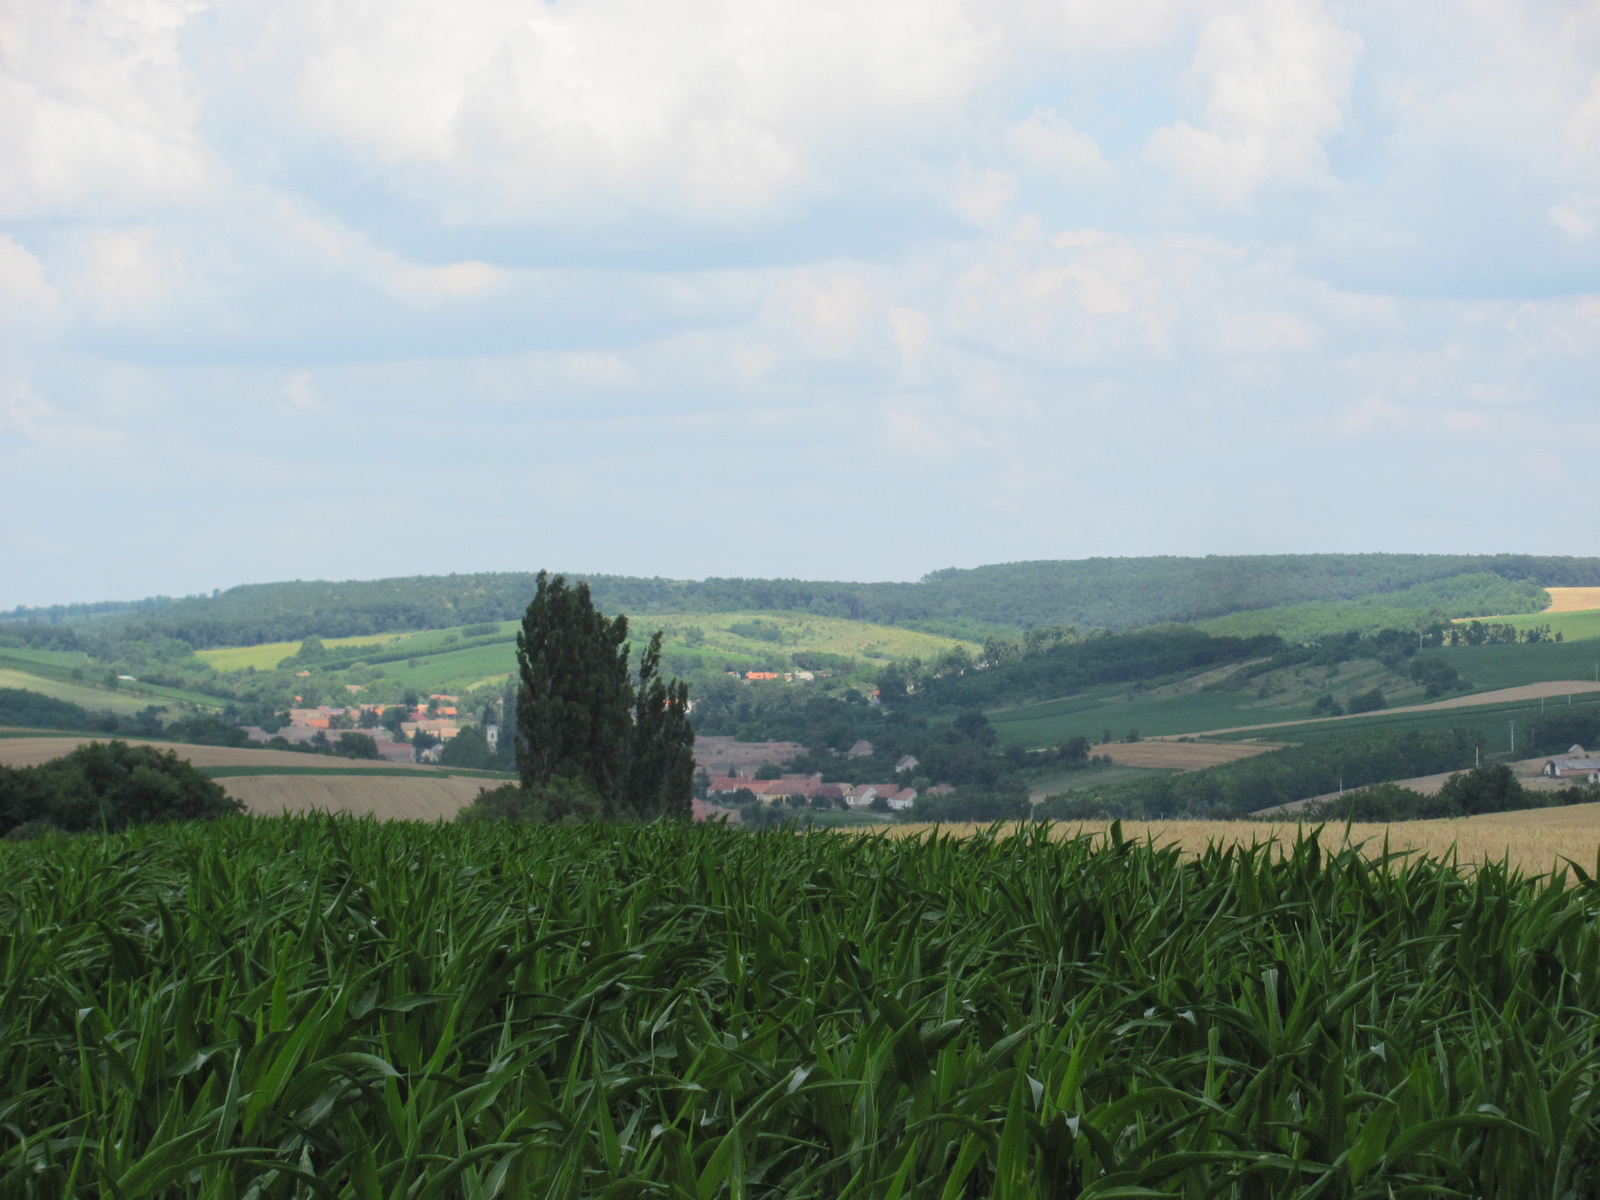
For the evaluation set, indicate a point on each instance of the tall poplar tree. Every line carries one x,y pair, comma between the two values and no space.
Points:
580,718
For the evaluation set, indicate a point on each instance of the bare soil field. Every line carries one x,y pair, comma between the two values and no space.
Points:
1577,599
28,752
387,797
1536,841
1181,756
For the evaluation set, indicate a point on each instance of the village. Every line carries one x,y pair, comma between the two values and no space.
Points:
729,773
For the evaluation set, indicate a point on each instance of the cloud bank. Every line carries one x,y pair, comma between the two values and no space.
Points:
825,289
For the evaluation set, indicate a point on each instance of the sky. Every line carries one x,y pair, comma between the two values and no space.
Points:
841,289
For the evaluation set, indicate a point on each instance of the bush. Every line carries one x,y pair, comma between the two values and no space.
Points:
469,748
1464,794
972,804
1365,702
565,801
111,786
1070,806
356,745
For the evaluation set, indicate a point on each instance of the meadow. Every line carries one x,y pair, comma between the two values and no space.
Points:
439,659
336,1008
126,700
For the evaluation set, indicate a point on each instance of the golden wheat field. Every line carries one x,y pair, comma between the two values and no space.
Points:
1536,840
387,797
1573,599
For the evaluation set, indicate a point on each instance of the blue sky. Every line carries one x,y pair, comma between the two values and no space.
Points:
821,289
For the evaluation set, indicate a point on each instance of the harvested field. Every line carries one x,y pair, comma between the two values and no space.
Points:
1574,599
30,751
387,797
1535,840
1181,756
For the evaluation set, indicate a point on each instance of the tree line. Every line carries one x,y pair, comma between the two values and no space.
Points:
1114,593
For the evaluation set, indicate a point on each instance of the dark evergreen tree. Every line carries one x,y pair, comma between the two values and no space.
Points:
572,707
661,753
579,717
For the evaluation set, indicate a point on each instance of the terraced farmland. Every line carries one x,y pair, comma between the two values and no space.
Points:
310,1007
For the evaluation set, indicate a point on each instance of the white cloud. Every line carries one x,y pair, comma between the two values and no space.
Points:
1048,141
1274,74
97,116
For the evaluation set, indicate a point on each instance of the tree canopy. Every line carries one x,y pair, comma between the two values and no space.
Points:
580,717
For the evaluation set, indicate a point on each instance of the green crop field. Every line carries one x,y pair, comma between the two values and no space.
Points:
285,1008
1489,667
126,700
1573,626
455,670
787,632
747,640
269,654
64,659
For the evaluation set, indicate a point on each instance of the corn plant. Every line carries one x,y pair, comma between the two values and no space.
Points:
331,1008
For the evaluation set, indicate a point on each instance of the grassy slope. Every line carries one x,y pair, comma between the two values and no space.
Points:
268,655
1183,707
1574,626
440,667
127,700
1488,667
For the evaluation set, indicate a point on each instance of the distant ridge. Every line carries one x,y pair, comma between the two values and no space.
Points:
1113,593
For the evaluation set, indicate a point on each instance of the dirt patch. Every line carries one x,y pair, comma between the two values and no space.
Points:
28,752
1573,599
387,797
1181,756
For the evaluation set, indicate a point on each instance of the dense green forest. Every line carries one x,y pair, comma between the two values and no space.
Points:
1112,593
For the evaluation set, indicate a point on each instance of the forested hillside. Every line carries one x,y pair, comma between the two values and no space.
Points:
1112,593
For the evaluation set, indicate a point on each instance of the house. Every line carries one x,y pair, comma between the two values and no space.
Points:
491,734
899,798
726,785
431,754
908,763
1577,761
860,795
444,730
760,675
860,750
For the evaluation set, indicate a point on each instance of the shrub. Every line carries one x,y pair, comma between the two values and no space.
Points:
567,801
1365,702
109,785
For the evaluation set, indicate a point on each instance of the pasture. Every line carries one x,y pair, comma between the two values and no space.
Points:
311,1007
125,700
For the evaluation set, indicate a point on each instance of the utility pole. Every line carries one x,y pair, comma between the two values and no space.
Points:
1513,739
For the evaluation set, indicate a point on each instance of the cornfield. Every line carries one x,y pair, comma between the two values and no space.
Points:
322,1007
